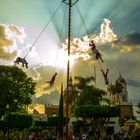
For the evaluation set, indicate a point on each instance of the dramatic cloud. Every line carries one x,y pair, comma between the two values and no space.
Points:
132,82
130,39
107,42
53,97
9,35
5,45
80,49
115,50
128,43
123,45
106,33
113,37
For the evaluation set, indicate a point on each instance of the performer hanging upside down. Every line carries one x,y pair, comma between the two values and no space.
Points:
105,76
51,82
95,51
22,61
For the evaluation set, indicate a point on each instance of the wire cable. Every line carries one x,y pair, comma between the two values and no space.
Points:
78,10
60,41
42,30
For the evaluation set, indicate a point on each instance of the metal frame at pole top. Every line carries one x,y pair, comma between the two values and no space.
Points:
70,3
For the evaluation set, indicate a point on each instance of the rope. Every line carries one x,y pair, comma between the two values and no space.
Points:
78,10
100,64
42,31
60,38
86,32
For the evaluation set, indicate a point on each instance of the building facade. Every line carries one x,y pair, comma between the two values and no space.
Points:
118,96
51,109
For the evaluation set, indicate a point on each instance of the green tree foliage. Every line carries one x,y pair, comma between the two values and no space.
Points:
18,120
93,112
16,89
42,123
53,121
98,116
1,124
89,104
84,92
115,89
79,125
39,125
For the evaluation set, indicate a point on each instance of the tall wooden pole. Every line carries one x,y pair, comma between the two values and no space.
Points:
95,75
68,74
70,4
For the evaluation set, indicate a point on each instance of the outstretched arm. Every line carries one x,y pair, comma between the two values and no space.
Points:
107,72
103,72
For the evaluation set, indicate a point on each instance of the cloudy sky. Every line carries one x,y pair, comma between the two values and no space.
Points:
41,26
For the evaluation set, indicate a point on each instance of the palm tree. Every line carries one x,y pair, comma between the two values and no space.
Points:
84,92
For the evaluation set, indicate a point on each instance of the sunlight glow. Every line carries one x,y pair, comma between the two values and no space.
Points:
63,59
126,49
80,47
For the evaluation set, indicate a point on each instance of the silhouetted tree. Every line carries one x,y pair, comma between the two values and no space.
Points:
16,89
84,92
18,120
98,116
